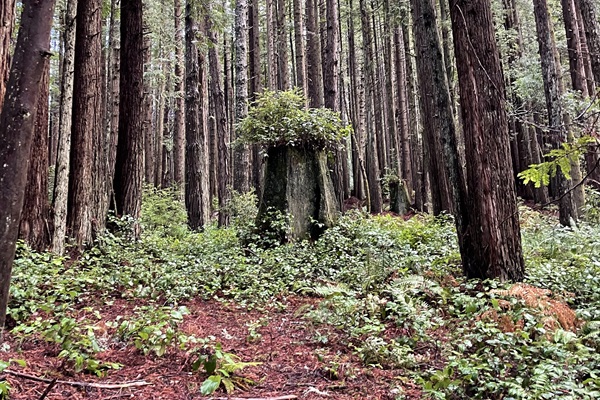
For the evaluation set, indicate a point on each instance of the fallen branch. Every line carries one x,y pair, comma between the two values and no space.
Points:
78,384
48,389
286,397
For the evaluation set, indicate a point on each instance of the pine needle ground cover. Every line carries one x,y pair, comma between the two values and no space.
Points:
376,308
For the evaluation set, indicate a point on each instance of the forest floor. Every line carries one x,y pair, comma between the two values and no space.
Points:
293,365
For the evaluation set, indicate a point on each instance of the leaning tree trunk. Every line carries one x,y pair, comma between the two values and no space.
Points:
17,122
490,237
34,228
129,166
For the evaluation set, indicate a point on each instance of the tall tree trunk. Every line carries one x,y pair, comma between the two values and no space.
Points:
179,124
221,125
158,132
373,173
357,112
34,228
196,107
489,233
112,123
402,111
589,12
61,178
7,22
241,154
86,122
313,47
435,102
17,124
283,69
254,86
129,166
554,90
299,45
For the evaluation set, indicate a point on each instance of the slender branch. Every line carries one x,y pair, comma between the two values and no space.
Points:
48,389
78,384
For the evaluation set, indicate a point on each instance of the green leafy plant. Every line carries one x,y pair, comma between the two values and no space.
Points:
154,329
560,159
282,119
221,368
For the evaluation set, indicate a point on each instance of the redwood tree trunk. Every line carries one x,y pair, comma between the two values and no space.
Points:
86,121
61,179
129,166
7,22
179,124
241,154
196,107
34,227
490,240
17,124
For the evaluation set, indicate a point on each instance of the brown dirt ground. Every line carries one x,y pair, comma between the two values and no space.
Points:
293,362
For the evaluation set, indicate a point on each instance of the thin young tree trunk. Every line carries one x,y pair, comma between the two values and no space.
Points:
86,122
402,111
129,166
112,130
488,229
373,173
61,178
315,67
179,124
17,125
241,154
299,45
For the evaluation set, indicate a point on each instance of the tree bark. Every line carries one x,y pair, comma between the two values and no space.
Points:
196,107
221,125
557,117
17,122
592,32
489,232
241,154
34,228
129,166
372,167
283,69
7,22
313,47
299,45
435,102
61,178
179,125
86,122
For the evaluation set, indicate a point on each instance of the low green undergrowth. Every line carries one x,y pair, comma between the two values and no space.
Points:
391,290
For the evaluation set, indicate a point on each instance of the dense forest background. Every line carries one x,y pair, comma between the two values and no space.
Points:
134,133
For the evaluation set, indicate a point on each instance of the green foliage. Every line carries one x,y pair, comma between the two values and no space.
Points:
154,329
164,213
560,160
4,385
281,119
221,368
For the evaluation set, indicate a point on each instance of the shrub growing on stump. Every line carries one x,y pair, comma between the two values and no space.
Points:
298,200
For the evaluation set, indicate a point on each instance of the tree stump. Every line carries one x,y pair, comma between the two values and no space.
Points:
297,184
